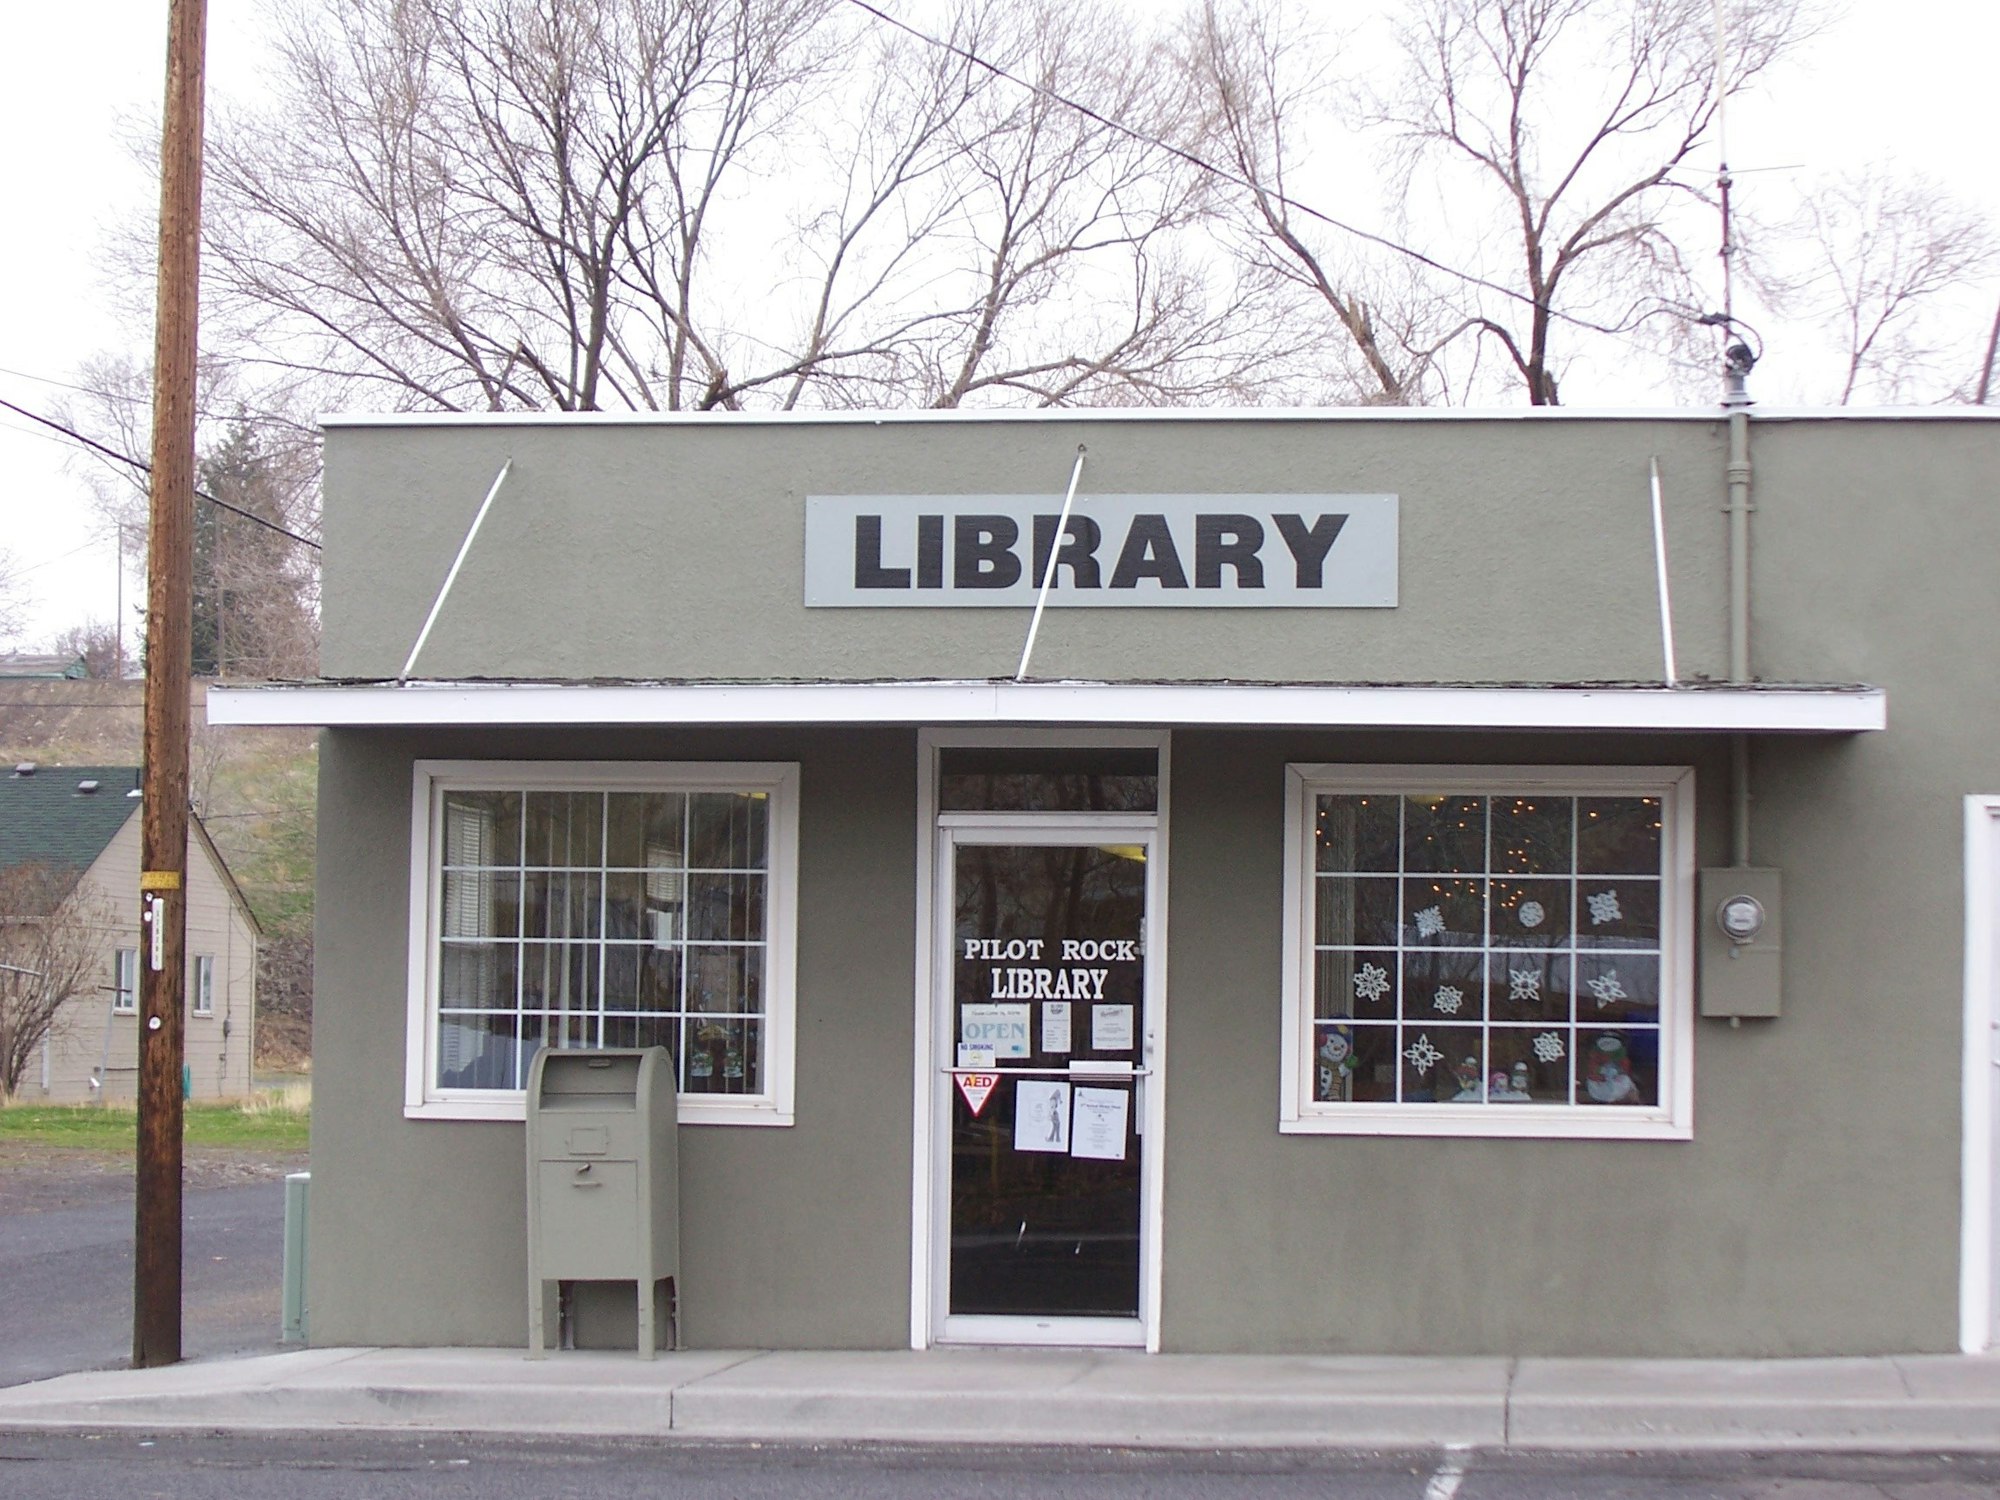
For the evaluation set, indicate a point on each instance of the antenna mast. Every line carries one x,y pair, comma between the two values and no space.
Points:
1722,179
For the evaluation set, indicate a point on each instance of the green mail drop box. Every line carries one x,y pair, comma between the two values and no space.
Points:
603,1180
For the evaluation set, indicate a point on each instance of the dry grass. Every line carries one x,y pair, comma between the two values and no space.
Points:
291,1099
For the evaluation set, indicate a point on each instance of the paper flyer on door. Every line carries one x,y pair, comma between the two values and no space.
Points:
1055,1025
1100,1124
1041,1116
1111,1028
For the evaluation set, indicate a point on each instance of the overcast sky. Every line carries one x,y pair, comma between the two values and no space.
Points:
1906,82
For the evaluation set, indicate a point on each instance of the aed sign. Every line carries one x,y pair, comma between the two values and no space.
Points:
1118,551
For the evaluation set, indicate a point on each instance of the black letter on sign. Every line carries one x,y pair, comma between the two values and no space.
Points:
1149,553
1309,548
982,555
1212,554
930,552
868,570
1081,539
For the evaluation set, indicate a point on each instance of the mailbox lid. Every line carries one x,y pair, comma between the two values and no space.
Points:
569,1080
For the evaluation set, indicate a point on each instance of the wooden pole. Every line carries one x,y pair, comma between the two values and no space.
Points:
156,1259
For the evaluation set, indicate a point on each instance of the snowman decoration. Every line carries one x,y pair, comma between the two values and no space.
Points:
1336,1063
1609,1078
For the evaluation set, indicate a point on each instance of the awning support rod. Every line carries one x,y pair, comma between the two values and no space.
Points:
1049,567
452,577
1660,568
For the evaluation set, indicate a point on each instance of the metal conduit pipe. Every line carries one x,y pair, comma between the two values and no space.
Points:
1738,509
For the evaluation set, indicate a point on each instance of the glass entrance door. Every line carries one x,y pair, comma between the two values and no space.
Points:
1044,1018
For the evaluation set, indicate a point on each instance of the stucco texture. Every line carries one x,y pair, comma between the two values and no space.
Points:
790,1237
670,552
1815,1210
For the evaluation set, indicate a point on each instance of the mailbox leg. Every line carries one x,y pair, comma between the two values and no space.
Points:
544,1299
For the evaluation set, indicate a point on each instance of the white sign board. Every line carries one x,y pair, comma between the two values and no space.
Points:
1118,551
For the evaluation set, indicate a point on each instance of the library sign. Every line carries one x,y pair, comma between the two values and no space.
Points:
1118,551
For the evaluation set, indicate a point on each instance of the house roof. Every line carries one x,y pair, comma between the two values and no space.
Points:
52,668
47,818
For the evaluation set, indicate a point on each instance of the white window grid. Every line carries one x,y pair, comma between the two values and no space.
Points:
125,982
204,984
589,1020
775,783
1669,1118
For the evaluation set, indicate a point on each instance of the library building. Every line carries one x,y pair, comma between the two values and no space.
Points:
1348,882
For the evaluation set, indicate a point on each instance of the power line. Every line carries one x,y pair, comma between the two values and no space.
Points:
146,468
1181,153
235,419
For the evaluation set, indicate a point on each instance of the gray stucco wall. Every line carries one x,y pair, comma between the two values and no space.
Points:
1526,547
1771,1232
1816,1209
418,1226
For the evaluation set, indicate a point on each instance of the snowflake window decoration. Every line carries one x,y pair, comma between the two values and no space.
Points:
1532,914
1448,999
1430,922
1607,988
1549,1047
1372,983
1524,984
1604,908
1423,1055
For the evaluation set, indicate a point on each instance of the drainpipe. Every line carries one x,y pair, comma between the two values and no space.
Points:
1736,401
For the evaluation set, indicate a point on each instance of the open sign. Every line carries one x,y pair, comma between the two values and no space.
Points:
1001,1028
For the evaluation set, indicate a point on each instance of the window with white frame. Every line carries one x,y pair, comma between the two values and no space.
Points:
1489,951
572,904
125,982
202,991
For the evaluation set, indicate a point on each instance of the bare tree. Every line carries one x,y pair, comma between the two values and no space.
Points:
1268,85
256,584
693,204
13,596
1555,138
95,642
1890,255
50,957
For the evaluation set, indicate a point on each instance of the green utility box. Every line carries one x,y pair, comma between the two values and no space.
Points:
603,1181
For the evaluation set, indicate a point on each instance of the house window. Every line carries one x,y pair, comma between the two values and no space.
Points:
125,982
203,989
603,905
1489,951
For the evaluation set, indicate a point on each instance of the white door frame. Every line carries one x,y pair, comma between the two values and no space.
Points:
930,1196
1979,1235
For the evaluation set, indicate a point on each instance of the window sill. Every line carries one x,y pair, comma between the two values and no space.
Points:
1488,1123
515,1107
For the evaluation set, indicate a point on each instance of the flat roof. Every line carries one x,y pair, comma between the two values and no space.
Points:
1698,708
1146,414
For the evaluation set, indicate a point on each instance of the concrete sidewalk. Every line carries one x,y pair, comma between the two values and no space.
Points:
1910,1404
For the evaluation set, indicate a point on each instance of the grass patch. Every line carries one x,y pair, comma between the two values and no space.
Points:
265,1122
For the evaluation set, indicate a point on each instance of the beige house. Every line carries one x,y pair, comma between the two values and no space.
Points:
86,817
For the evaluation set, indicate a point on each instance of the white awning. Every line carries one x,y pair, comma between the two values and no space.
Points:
1704,709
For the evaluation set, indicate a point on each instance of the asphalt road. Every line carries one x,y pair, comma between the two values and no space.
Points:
66,1280
35,1467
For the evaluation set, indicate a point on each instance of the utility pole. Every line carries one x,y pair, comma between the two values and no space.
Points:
163,829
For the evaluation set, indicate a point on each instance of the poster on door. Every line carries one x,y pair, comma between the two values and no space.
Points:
1041,1116
1099,1128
